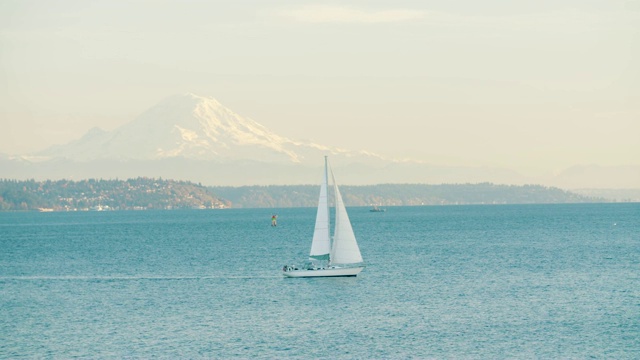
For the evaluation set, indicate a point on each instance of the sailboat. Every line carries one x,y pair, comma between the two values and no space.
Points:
327,258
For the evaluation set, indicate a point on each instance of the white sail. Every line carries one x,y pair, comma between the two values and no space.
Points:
320,245
345,247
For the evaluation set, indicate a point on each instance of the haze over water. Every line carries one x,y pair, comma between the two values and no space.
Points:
515,281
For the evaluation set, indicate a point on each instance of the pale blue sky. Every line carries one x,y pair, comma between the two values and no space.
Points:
534,86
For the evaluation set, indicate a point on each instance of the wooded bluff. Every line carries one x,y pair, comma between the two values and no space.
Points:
150,193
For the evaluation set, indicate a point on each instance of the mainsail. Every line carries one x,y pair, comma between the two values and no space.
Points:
320,246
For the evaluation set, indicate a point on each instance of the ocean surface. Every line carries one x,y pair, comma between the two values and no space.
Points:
441,282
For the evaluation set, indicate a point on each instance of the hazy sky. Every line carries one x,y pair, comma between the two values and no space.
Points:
534,86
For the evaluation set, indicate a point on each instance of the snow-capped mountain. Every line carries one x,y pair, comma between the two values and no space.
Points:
190,137
197,128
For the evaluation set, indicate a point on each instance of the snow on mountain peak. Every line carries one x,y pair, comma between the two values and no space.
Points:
188,126
194,127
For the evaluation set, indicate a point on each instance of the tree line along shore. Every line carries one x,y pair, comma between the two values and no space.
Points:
151,193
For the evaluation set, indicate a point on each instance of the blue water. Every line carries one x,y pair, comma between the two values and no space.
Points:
471,282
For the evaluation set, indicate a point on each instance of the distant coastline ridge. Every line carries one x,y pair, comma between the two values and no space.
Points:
156,193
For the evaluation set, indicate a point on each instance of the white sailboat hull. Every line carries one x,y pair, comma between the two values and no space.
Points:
328,272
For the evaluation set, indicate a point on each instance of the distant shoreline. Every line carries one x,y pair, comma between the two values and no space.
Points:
160,194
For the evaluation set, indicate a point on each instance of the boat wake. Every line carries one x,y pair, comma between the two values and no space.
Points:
130,278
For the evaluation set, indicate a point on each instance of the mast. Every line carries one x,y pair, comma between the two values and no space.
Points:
326,182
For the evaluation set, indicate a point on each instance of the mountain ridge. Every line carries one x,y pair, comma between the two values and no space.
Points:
193,127
196,138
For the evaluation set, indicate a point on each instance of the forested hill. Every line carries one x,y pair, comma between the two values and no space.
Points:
149,193
400,194
132,194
